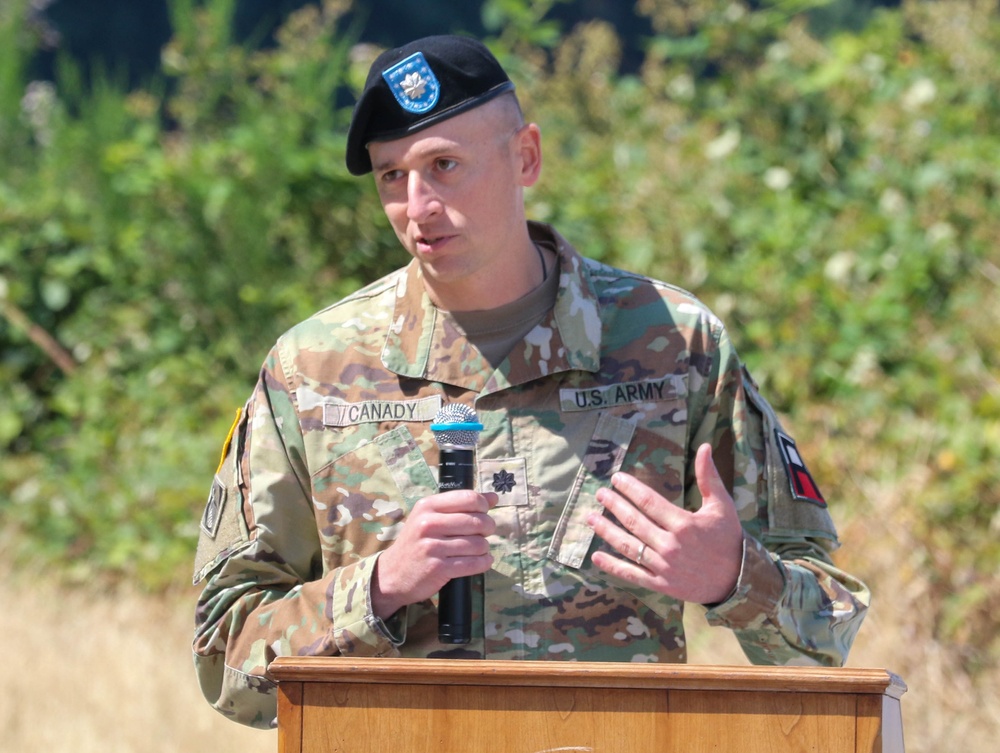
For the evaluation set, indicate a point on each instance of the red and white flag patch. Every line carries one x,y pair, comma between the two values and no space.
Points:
801,481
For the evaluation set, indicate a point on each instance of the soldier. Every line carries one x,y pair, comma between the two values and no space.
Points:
627,463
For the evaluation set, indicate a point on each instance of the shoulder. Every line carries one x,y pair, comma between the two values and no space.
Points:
362,314
619,291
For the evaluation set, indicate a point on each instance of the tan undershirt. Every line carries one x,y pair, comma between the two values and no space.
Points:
496,331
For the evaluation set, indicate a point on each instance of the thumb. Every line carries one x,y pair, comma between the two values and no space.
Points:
710,484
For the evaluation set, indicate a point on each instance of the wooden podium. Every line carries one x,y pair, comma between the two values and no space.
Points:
446,706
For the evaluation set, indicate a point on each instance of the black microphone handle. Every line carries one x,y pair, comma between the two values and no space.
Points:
455,597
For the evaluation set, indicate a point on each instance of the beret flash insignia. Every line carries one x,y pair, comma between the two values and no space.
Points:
413,83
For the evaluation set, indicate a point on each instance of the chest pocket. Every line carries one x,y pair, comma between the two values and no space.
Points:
645,421
604,457
362,497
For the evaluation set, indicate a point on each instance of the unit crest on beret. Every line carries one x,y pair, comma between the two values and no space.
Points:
413,83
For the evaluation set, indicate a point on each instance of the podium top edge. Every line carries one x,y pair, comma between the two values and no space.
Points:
392,671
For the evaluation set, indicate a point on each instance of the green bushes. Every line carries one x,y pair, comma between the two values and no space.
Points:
165,259
838,204
835,201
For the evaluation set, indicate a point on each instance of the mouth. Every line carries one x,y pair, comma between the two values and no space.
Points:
429,243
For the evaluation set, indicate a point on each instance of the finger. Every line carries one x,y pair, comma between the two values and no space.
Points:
457,525
429,523
710,484
621,540
628,571
464,555
653,506
625,510
458,500
465,547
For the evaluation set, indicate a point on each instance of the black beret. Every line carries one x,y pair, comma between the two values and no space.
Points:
417,85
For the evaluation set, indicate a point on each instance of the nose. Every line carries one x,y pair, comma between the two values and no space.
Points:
422,201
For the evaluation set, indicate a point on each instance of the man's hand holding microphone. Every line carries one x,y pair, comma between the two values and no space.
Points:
443,542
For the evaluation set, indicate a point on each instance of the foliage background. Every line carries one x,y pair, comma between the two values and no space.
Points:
833,197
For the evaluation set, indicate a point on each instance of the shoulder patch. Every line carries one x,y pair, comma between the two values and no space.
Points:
213,508
801,482
795,506
223,529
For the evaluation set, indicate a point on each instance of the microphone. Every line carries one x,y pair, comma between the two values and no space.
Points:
456,430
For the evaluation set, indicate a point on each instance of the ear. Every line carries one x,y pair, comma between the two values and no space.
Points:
528,147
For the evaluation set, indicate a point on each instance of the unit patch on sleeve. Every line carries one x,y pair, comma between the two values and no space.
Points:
213,508
801,481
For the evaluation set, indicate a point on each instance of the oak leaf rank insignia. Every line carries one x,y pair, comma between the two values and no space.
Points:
503,482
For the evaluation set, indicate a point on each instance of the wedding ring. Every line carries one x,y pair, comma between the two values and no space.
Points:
642,550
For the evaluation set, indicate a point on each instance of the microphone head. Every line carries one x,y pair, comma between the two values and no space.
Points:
456,425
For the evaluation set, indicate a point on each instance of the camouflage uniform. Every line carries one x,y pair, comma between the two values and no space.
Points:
334,447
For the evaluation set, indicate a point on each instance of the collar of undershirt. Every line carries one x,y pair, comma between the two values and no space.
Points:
520,315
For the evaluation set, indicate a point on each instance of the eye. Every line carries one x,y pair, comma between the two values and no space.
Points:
390,176
445,164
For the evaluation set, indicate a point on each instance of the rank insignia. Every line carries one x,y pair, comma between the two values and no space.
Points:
503,482
507,477
413,84
802,483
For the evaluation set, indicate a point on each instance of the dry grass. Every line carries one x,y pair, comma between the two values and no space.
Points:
112,673
98,673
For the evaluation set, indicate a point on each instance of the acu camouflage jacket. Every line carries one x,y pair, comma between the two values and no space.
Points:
625,372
